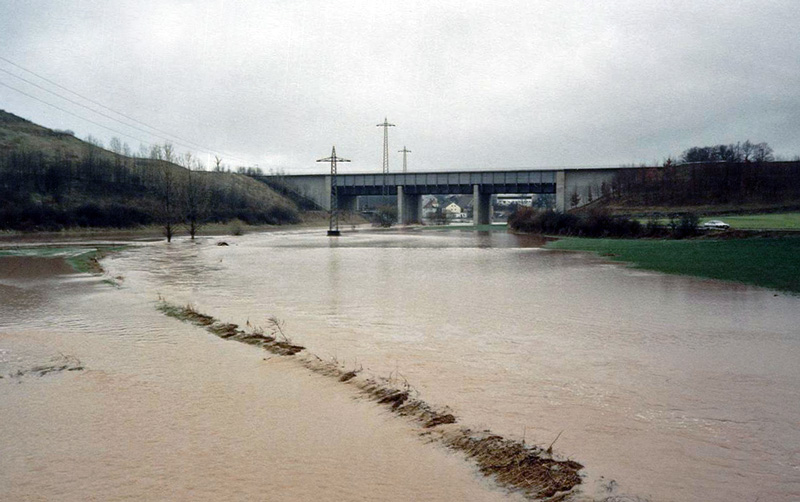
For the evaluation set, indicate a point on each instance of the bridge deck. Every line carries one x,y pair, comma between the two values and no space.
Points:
447,182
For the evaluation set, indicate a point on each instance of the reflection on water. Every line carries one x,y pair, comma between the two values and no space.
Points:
676,388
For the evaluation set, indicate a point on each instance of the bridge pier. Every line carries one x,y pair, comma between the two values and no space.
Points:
561,191
409,207
481,206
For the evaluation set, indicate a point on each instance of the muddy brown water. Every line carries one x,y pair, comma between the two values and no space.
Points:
665,387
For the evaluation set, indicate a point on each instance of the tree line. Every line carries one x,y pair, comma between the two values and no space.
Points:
720,174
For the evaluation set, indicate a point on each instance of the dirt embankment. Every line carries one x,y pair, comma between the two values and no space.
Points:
529,469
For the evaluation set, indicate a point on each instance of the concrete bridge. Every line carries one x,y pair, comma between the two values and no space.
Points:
410,187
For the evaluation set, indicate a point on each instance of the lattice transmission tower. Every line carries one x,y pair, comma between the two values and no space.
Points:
333,227
405,153
386,125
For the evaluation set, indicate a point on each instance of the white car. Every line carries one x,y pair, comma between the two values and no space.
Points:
716,224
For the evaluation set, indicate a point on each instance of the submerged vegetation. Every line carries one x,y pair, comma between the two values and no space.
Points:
81,259
89,261
56,364
513,464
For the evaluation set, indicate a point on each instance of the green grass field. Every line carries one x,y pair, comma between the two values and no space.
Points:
774,221
768,262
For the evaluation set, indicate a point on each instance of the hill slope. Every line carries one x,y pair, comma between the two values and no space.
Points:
51,179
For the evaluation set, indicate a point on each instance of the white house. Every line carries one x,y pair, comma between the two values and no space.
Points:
452,208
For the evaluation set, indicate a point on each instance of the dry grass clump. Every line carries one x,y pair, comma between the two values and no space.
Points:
229,331
512,464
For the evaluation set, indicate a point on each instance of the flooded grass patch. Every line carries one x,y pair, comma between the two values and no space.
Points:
82,259
769,262
532,471
57,364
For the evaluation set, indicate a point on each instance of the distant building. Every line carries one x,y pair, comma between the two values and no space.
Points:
452,208
507,200
429,207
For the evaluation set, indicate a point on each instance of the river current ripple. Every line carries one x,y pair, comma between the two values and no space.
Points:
665,387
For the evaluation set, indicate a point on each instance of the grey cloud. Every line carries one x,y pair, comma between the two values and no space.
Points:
469,84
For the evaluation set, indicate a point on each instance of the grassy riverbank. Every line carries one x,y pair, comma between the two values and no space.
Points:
774,221
311,220
767,262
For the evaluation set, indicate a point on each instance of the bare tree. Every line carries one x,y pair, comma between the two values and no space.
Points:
115,145
156,153
169,152
94,141
169,209
170,189
195,195
574,199
763,153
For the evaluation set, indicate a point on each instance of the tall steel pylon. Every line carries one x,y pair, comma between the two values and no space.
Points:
333,228
405,152
386,125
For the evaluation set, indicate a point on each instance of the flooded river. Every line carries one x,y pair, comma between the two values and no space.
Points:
668,388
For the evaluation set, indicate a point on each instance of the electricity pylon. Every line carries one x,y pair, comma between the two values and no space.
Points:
386,125
405,152
333,228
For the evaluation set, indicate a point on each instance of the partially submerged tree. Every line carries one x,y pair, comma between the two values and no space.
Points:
170,203
195,195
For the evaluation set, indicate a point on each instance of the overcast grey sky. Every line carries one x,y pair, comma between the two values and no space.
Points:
469,84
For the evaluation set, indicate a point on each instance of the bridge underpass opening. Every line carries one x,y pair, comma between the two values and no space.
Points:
408,189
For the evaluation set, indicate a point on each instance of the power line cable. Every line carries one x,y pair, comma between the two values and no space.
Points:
107,107
184,142
79,104
105,115
76,115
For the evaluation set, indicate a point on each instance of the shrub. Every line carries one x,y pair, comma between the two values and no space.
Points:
385,216
686,227
597,223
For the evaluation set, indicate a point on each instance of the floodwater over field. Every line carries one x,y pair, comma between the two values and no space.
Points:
669,388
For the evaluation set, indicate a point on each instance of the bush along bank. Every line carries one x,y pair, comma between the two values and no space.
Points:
599,223
531,470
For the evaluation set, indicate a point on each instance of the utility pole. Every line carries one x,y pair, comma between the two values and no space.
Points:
386,125
405,152
333,228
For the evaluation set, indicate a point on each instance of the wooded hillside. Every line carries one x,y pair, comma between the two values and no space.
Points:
51,180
